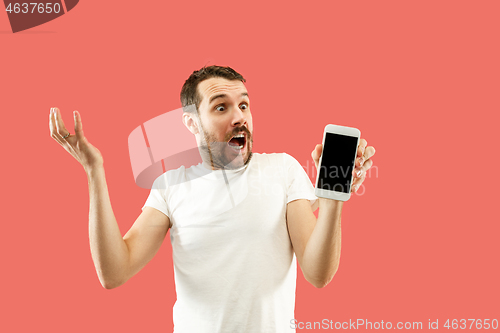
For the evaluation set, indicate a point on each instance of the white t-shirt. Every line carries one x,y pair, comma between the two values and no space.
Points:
234,265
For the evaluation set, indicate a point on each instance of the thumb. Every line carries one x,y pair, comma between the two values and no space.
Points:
78,125
316,153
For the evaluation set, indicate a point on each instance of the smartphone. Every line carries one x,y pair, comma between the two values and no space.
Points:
334,178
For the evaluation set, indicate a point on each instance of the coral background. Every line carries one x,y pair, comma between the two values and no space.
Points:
419,79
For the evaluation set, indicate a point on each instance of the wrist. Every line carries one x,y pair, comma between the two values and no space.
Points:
94,170
330,203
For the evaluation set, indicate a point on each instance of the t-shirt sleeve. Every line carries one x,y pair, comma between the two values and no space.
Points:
298,184
156,198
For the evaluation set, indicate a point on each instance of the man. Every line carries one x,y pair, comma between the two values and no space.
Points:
237,220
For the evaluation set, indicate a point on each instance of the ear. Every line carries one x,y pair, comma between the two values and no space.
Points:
190,122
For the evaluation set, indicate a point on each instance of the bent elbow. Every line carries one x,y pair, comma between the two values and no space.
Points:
106,284
321,283
318,283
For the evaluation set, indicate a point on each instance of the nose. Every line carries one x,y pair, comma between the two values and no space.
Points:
239,117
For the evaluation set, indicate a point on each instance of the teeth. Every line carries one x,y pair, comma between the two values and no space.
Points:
241,135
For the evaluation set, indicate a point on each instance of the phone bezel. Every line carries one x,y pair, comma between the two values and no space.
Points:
341,130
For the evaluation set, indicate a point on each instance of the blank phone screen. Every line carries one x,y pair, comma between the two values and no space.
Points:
337,163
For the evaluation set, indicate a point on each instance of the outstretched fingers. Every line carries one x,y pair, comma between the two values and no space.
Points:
60,127
59,132
54,130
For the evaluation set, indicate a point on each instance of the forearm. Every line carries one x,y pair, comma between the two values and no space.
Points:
322,253
109,251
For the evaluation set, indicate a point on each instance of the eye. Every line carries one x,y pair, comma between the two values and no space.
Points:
244,106
219,107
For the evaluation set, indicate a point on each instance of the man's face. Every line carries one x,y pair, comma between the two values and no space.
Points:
226,121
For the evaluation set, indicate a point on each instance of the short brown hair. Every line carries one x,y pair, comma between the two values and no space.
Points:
189,92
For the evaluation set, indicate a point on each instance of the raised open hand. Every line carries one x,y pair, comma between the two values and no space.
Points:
77,145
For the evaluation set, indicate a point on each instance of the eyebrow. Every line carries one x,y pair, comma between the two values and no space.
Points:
214,97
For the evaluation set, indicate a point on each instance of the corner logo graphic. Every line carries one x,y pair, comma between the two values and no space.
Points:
25,15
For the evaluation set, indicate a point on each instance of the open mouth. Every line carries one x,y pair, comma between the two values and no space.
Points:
238,141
